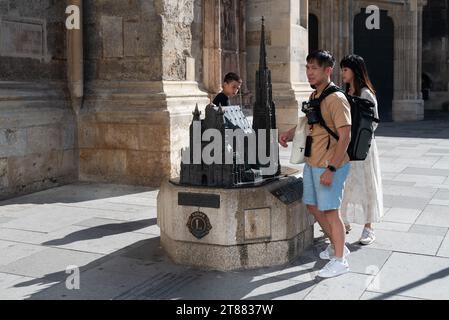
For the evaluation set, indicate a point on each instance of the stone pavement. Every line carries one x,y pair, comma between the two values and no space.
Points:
110,233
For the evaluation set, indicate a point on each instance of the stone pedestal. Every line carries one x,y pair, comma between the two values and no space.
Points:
236,228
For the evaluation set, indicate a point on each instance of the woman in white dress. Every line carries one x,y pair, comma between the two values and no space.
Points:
363,198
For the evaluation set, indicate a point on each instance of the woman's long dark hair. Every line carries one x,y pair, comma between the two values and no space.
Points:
361,78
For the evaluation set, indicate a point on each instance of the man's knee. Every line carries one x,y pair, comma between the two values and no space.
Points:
332,214
312,209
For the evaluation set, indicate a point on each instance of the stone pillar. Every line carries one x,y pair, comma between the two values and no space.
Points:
139,102
407,103
287,48
212,76
37,148
335,28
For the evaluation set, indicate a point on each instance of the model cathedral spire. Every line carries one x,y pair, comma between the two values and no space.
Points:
264,107
236,174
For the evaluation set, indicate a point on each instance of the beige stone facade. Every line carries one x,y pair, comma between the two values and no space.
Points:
337,31
112,102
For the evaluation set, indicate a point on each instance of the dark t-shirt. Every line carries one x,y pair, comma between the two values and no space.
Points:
222,99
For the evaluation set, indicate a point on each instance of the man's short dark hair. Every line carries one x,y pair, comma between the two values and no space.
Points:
324,58
231,76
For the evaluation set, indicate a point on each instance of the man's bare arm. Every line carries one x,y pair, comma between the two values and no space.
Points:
342,146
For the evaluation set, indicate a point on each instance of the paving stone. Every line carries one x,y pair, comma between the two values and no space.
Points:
367,260
426,172
389,167
442,195
415,276
93,285
48,218
5,219
368,295
398,241
444,249
50,264
417,161
405,202
107,211
439,150
239,286
386,182
393,226
435,216
409,191
436,202
95,240
23,236
11,288
402,215
430,230
420,178
15,210
16,251
349,286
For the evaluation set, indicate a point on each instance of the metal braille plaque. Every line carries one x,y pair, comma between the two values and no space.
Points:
199,224
290,192
199,200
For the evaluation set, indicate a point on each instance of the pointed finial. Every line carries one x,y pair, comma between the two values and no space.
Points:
263,52
196,113
220,109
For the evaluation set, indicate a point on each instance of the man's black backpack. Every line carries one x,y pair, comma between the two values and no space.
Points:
363,119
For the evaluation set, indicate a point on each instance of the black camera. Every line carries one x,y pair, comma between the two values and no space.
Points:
312,110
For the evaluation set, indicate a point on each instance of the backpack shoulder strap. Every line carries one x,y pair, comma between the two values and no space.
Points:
330,90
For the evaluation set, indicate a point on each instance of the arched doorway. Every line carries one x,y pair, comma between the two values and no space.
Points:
376,46
313,33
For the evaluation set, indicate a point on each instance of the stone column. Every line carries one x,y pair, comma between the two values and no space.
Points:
336,29
139,94
212,76
287,48
407,102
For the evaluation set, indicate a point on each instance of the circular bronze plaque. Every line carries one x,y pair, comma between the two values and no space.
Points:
199,224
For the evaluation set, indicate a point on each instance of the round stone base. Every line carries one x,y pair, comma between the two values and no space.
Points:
233,229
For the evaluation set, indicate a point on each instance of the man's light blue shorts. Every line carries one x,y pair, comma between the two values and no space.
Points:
323,197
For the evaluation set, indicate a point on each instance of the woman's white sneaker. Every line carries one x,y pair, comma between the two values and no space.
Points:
334,268
329,252
367,237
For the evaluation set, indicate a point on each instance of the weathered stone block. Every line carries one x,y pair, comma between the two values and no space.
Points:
153,165
258,224
42,139
112,36
104,164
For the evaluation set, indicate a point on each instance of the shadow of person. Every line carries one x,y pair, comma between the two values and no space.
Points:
102,231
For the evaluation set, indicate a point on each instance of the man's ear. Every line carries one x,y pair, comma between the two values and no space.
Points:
329,71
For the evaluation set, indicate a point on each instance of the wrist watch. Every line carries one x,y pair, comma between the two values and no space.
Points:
331,168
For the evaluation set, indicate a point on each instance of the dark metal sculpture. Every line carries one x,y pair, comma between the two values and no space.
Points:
241,172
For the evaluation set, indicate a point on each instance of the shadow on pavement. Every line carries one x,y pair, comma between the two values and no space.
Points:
80,192
102,231
143,271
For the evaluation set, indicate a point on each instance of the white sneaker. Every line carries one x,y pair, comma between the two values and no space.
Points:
329,252
367,237
334,268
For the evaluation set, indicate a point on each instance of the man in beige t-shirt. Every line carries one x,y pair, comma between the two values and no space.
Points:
328,165
336,113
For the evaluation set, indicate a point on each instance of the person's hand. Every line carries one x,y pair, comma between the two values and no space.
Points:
283,139
327,178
